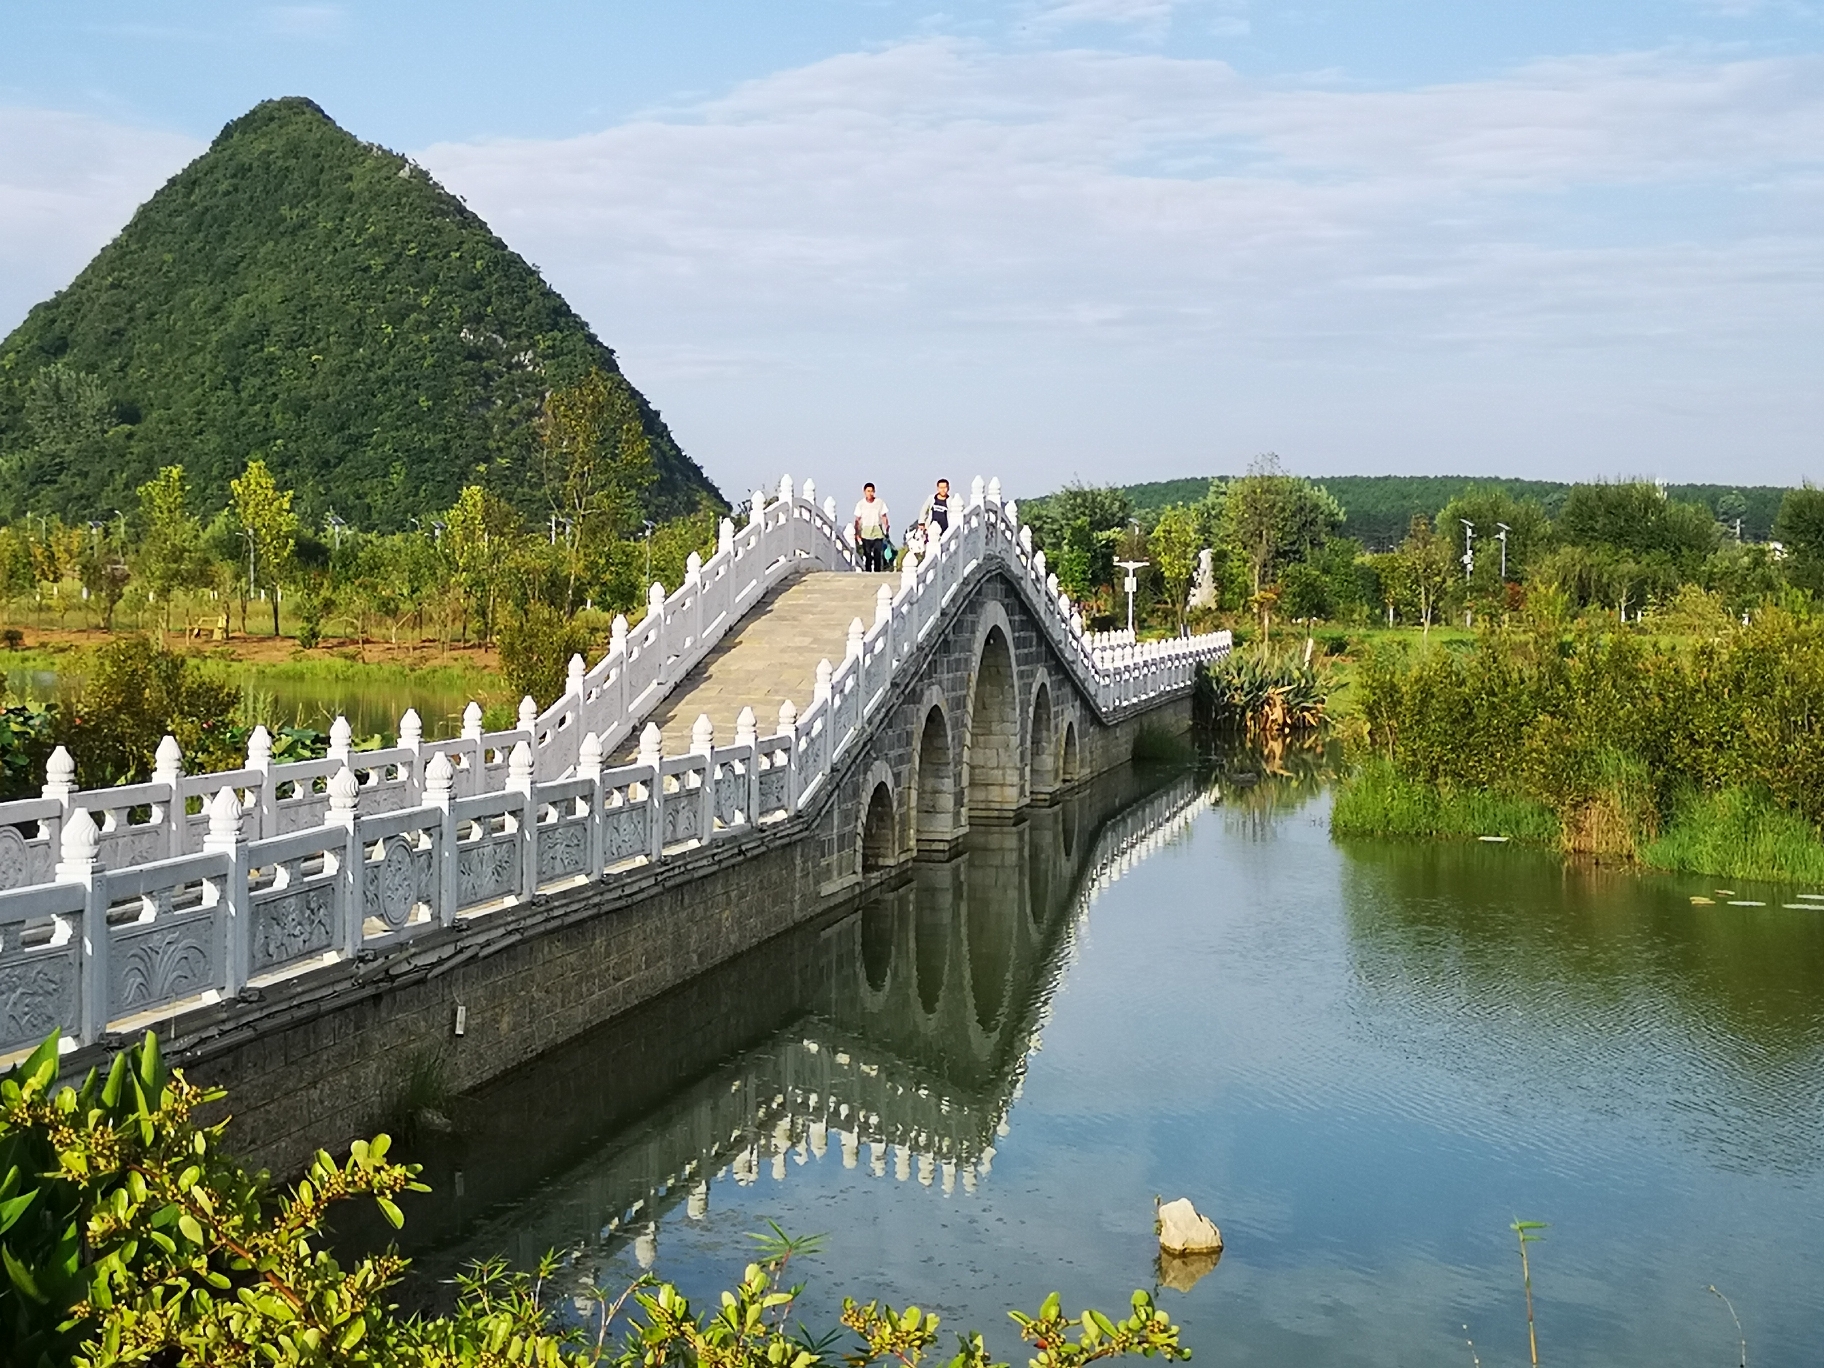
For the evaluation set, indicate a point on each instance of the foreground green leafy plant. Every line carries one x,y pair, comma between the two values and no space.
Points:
127,1236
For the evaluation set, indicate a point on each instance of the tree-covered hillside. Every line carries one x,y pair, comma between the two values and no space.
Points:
303,297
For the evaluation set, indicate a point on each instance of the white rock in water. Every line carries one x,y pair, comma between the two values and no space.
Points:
1183,1230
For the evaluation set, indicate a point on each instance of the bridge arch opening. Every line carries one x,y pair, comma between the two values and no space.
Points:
877,845
877,932
1067,755
934,817
1042,775
993,749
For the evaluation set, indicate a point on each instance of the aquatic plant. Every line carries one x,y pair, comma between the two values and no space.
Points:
1262,694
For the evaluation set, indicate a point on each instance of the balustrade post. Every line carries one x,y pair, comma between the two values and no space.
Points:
856,652
788,726
440,793
60,784
472,733
573,681
883,613
825,694
589,757
703,743
655,614
747,733
259,757
652,752
790,504
341,739
411,737
231,895
693,576
617,641
351,877
79,862
519,781
168,768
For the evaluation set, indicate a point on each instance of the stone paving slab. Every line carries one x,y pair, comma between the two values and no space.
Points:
770,657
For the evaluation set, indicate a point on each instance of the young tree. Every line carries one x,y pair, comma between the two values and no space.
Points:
1800,529
1174,545
263,512
102,564
1426,567
1270,518
596,461
170,555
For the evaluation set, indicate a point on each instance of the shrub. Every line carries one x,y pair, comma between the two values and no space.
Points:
129,1237
136,692
535,651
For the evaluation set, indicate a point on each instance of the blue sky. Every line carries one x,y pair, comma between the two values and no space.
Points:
1095,238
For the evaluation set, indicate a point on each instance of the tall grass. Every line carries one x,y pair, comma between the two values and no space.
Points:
1377,800
1738,834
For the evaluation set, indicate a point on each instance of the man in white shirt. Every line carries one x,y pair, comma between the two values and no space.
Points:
871,530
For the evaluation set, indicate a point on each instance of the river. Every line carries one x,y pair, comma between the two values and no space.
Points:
1363,1061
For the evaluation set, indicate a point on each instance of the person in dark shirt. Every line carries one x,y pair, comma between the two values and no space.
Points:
937,508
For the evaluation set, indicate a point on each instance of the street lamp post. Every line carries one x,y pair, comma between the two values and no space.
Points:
1501,537
1132,585
1469,548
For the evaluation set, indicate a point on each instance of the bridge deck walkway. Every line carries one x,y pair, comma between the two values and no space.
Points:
771,657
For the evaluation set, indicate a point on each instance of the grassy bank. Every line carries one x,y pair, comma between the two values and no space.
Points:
1376,800
1735,834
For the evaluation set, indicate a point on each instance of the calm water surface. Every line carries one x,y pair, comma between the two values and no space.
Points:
1361,1060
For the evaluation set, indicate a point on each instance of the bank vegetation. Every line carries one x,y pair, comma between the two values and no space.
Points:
1696,752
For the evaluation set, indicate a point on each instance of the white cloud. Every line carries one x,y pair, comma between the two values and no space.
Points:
68,183
910,221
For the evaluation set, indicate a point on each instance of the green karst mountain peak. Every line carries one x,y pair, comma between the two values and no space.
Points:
298,295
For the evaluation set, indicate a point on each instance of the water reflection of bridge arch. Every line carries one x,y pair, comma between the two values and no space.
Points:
921,1092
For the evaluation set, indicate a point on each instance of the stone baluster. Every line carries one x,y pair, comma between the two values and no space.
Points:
341,739
168,769
788,726
883,613
344,812
231,894
79,862
788,505
652,753
994,491
614,704
978,493
747,733
590,756
725,538
259,757
472,733
854,651
411,737
519,781
703,743
1011,511
440,793
757,511
1025,541
661,647
573,677
528,714
693,577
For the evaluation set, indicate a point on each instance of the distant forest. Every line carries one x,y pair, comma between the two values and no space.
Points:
1378,509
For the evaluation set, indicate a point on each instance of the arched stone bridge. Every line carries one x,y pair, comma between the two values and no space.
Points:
885,716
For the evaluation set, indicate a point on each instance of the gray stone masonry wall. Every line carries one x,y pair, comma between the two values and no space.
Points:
323,1058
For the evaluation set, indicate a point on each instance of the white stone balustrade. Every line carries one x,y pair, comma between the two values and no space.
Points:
193,887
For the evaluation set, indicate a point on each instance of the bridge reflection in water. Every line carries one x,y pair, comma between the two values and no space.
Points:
894,1041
